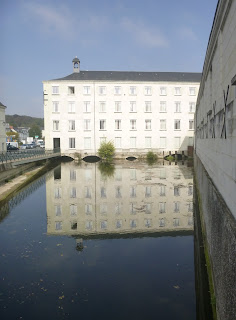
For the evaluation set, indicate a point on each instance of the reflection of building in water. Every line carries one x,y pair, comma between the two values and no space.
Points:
138,198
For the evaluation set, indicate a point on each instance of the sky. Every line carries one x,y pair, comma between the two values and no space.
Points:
39,40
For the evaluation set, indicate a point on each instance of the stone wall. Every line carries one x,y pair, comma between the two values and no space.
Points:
220,232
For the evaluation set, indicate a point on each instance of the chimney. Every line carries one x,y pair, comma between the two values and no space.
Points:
76,65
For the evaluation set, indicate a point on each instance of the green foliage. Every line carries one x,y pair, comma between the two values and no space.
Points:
106,150
170,158
35,131
24,121
107,169
14,135
151,157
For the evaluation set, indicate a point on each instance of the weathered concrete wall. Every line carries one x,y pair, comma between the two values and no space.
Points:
220,231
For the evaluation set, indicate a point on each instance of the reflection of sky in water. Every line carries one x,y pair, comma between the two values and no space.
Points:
46,276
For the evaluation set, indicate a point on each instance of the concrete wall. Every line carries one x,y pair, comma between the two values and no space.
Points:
215,160
125,133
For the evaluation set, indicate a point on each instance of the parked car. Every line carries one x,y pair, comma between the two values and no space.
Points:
29,146
11,148
23,146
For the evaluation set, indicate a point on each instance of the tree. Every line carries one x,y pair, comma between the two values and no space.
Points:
35,131
106,150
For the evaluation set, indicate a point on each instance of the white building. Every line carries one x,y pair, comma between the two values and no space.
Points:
2,128
215,160
138,111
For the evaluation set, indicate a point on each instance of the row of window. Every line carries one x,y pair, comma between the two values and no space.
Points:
118,124
133,90
132,142
118,106
133,223
118,193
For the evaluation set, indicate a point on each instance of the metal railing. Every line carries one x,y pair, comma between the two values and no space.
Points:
10,156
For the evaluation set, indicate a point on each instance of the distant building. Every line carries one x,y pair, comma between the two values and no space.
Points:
215,160
23,133
2,128
138,111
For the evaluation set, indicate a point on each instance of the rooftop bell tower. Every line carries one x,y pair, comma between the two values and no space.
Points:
76,65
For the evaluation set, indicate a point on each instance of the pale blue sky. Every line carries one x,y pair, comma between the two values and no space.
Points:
39,39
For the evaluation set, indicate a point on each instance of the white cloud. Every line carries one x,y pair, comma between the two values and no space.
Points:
151,37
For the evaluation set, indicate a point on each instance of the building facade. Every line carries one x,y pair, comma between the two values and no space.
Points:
215,160
2,128
138,111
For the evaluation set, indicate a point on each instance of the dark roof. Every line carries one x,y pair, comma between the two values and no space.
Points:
2,105
133,76
75,60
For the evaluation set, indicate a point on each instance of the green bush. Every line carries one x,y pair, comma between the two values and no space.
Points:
106,150
151,157
107,169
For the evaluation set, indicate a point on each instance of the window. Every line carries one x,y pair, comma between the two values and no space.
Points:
191,124
118,192
132,124
190,207
118,175
133,223
162,191
176,206
133,174
87,90
192,106
190,221
88,192
162,173
73,225
132,91
163,124
148,223
132,208
177,91
148,191
132,192
73,192
73,209
176,191
57,193
148,106
163,91
71,107
177,106
133,106
87,124
117,208
58,210
177,142
190,190
117,90
148,142
177,124
117,124
56,125
148,124
102,140
117,106
103,192
132,142
58,225
71,90
103,208
71,143
88,208
148,91
87,143
72,175
163,106
88,174
162,207
71,125
102,106
87,106
192,91
55,89
103,224
102,124
89,225
102,90
162,222
118,142
55,106
175,222
118,224
162,142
